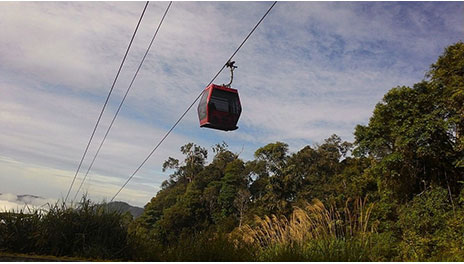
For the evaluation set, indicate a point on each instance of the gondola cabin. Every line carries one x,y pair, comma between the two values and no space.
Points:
219,108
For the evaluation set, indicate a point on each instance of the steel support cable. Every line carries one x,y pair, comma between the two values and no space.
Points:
106,101
196,99
123,99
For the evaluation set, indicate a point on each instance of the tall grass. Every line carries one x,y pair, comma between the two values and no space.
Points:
18,231
86,230
313,233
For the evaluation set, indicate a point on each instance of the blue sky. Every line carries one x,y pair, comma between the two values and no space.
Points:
310,70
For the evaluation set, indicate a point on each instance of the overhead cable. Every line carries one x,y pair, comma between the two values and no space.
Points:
123,99
106,101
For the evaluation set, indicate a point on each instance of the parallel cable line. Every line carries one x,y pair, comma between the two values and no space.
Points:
196,99
106,101
123,99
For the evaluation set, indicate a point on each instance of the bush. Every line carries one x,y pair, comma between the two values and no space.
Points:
329,249
207,247
421,222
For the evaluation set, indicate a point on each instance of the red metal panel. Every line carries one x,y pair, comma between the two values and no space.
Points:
205,120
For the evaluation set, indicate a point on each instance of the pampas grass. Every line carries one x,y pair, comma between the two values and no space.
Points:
312,232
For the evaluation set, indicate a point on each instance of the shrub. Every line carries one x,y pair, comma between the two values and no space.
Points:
421,222
207,247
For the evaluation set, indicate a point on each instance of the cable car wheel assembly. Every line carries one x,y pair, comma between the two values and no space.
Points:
219,107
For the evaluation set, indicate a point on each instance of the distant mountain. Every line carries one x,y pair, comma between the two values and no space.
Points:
9,201
20,201
123,207
27,197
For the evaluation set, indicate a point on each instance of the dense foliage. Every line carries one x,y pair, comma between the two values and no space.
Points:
395,194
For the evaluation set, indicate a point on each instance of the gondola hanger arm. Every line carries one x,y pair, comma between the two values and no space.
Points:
230,64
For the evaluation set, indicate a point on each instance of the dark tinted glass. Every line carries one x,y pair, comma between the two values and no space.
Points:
225,101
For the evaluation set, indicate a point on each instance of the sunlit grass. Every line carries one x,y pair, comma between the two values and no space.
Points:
313,233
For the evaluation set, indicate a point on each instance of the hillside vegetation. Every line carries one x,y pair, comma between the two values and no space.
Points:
394,194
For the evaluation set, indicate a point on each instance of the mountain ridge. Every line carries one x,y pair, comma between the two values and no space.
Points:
35,200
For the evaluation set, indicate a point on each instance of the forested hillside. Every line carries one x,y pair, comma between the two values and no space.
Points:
407,163
394,194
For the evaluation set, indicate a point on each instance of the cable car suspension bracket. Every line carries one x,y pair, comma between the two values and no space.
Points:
230,64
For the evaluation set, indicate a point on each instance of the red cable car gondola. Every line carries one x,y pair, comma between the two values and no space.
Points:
219,106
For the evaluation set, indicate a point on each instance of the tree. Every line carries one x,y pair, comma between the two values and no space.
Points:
194,162
448,72
274,155
313,170
271,161
233,181
448,75
241,203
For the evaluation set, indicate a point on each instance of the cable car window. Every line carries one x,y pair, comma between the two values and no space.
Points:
225,101
202,105
220,104
235,105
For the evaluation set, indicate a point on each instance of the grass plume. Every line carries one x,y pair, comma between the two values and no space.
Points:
312,231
